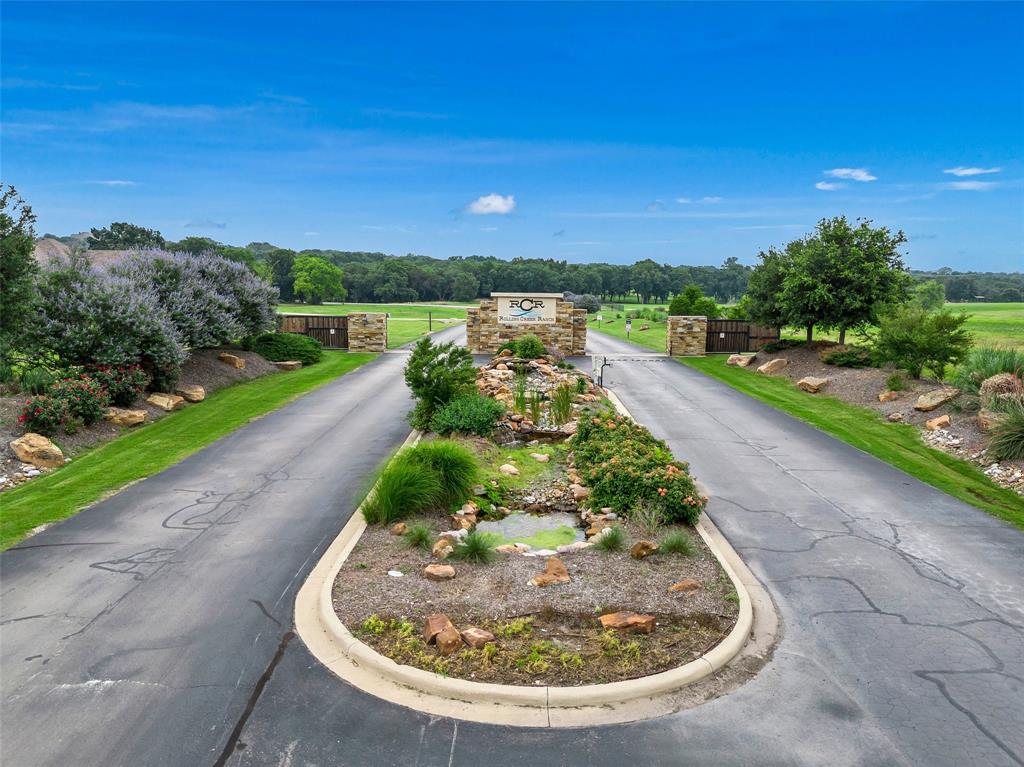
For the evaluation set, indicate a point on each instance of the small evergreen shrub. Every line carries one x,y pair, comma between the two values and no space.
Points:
83,398
36,380
475,547
848,357
43,415
613,539
436,374
454,466
528,347
896,382
123,384
404,488
915,339
468,414
281,347
678,542
782,344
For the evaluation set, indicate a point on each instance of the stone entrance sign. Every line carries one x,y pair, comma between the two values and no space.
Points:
561,327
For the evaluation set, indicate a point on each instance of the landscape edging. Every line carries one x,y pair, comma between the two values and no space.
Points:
358,664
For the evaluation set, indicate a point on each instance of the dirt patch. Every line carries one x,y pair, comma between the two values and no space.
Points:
202,368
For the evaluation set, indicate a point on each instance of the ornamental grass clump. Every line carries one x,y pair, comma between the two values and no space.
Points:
404,488
418,535
678,542
454,466
610,540
1008,434
475,547
624,465
561,403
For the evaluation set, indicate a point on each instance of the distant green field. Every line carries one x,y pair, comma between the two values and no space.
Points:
653,338
406,323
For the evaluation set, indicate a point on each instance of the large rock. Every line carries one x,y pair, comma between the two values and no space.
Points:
436,572
120,416
37,450
463,521
579,492
895,417
476,637
509,469
684,586
741,360
399,528
166,402
988,419
935,398
643,549
628,622
934,424
434,625
555,572
443,547
288,365
448,640
540,457
191,392
232,359
888,396
773,366
812,384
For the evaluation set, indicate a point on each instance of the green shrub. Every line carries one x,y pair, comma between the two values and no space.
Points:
437,374
1008,434
613,539
678,542
281,347
475,547
561,403
848,357
454,466
404,488
123,384
624,465
418,535
530,347
7,374
691,302
83,398
782,344
896,382
982,363
36,380
533,404
468,414
581,385
43,415
648,517
915,339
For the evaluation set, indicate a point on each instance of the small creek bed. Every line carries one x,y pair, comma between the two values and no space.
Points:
531,634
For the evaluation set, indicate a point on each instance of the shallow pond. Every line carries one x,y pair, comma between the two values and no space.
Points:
541,531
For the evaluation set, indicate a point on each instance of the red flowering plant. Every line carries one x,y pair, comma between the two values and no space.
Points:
43,415
625,465
124,383
83,398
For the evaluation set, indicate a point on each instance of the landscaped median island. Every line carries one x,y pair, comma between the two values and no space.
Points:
544,540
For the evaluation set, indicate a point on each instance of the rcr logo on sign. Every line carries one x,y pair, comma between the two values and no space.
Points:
526,304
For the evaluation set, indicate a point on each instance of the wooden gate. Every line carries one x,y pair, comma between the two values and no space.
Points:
329,329
734,336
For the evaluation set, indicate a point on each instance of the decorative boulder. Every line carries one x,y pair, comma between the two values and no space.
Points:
435,572
684,586
448,640
643,549
934,424
888,396
628,622
288,365
812,384
232,359
167,402
443,547
37,450
579,492
555,572
120,416
476,637
399,528
741,360
191,392
540,457
773,366
434,625
988,419
935,398
509,469
895,417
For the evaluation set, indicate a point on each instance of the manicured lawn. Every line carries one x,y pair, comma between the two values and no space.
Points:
406,323
897,444
149,449
653,338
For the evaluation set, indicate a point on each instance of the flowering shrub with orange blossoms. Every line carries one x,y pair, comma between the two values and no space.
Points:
624,465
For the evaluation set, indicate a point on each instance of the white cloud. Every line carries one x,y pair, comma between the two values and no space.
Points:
854,174
960,170
114,182
711,200
683,200
828,186
311,234
492,203
488,228
970,186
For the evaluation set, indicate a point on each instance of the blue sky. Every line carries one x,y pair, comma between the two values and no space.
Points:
683,133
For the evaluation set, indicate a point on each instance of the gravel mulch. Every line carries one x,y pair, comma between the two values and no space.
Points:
202,368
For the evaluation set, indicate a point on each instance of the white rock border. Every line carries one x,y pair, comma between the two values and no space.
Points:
356,663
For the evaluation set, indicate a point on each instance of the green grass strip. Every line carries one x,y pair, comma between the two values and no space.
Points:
149,449
897,444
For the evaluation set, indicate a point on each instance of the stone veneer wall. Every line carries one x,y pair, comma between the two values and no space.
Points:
686,336
568,336
367,332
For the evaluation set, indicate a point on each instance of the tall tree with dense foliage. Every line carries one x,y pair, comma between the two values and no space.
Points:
930,294
316,280
436,374
692,303
124,236
17,268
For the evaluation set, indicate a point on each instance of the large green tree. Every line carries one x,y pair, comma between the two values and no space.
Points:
317,280
17,269
121,235
691,302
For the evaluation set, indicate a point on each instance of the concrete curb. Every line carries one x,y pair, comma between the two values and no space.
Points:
356,663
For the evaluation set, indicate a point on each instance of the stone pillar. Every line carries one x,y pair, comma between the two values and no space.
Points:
473,328
686,336
579,332
367,332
